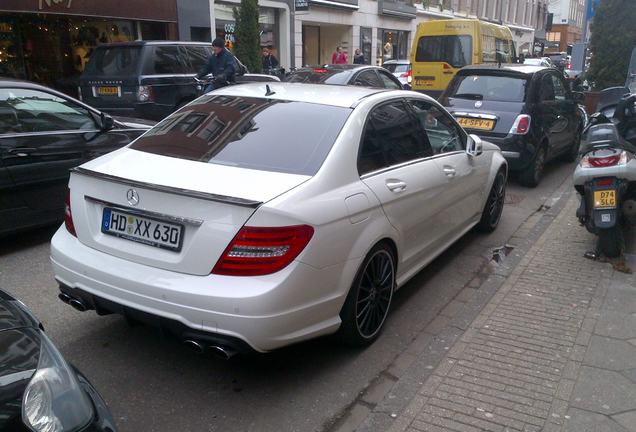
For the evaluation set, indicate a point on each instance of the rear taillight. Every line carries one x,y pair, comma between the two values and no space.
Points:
446,66
257,251
145,94
321,70
68,215
408,75
591,161
521,126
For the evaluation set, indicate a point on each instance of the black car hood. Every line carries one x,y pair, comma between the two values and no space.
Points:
19,356
14,314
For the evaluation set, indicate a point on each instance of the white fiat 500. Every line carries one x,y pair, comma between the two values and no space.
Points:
262,215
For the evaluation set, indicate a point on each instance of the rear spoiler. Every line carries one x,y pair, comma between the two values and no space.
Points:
169,189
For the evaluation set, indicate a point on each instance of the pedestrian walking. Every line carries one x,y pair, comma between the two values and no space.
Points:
358,57
269,61
221,64
339,56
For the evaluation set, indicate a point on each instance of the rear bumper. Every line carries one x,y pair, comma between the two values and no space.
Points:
299,302
516,149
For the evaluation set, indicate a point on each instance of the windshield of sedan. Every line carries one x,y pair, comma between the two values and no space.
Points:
489,88
320,76
245,132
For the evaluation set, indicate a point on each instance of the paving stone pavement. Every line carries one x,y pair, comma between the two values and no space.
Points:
553,350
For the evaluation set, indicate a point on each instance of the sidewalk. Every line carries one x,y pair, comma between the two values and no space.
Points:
553,350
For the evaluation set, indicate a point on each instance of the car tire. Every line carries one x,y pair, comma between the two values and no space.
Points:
531,175
573,151
493,208
367,305
610,242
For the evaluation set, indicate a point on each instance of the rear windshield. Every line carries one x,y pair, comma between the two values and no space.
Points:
255,133
452,49
396,68
116,60
320,76
489,87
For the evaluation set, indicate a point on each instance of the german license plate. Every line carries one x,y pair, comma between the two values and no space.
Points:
475,123
152,232
423,83
108,91
605,198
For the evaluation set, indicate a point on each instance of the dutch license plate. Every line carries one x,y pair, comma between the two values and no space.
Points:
152,232
475,123
108,91
423,83
605,198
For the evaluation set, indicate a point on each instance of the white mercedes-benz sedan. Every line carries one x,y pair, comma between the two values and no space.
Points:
262,215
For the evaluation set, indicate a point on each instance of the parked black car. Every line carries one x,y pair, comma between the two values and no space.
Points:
528,111
43,134
147,79
39,390
346,74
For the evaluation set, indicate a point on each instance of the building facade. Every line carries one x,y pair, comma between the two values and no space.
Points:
385,30
567,24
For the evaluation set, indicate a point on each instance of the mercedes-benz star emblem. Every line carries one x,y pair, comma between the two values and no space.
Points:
478,104
133,197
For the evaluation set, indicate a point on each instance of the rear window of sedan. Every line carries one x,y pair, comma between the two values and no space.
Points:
489,88
255,133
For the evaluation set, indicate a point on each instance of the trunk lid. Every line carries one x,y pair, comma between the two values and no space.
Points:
210,202
502,113
111,77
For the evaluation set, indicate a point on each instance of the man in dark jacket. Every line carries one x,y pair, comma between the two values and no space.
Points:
221,65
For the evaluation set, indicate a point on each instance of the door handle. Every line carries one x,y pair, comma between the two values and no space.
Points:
449,171
396,185
21,151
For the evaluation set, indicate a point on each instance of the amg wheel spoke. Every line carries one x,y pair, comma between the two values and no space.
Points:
363,311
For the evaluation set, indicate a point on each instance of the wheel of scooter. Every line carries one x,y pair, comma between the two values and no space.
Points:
610,242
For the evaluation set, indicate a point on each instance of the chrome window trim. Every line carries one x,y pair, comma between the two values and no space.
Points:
57,132
408,163
151,214
169,189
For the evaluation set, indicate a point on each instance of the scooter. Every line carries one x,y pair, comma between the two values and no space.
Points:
605,176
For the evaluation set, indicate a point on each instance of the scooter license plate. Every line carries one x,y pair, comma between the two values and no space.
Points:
605,199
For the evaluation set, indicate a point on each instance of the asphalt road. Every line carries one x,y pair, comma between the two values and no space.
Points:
154,384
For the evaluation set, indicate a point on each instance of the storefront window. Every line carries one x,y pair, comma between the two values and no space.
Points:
226,26
365,43
54,49
392,45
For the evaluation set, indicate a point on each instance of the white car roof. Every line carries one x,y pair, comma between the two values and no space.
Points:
334,95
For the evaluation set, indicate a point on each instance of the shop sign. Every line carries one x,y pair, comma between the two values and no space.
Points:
49,3
301,5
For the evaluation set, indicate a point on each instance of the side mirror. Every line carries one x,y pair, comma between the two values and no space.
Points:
106,122
474,146
579,97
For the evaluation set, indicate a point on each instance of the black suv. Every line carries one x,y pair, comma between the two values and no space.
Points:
528,111
147,79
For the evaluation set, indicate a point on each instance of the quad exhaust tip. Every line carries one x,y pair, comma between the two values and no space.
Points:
76,303
219,351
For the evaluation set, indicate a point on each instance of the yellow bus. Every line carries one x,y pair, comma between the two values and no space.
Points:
442,47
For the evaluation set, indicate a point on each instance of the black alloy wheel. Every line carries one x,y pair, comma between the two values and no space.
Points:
491,215
369,299
531,175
